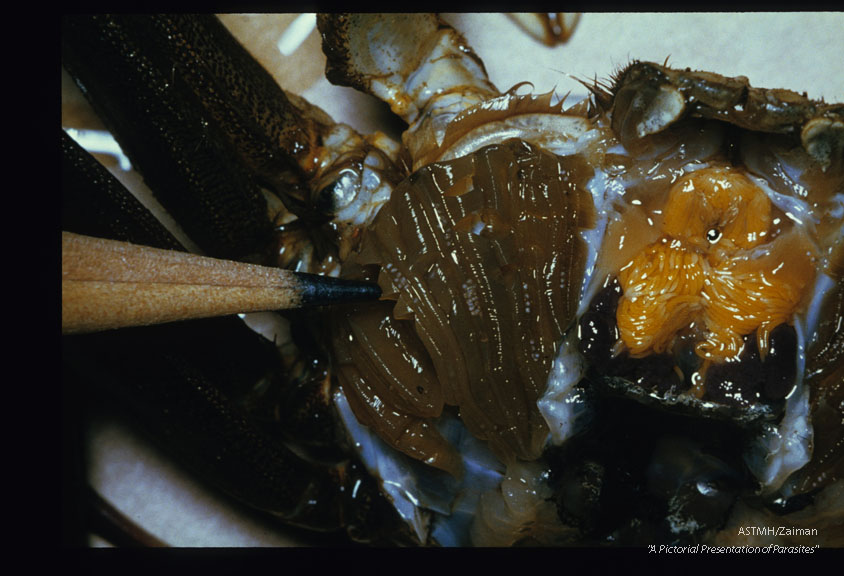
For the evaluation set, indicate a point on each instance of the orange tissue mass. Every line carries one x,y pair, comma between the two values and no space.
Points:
720,269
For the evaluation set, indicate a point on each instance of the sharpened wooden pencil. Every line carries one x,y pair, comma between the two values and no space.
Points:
108,284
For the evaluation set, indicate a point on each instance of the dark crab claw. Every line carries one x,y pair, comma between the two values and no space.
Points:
224,149
200,387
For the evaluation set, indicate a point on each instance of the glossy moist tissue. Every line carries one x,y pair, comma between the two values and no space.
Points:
481,264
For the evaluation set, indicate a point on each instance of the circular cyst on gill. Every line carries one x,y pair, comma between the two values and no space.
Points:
713,235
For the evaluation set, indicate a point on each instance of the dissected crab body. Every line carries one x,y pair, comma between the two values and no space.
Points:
653,250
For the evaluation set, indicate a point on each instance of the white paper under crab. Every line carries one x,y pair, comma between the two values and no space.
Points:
796,50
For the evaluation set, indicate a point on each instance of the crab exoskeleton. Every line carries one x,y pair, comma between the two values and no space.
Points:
584,304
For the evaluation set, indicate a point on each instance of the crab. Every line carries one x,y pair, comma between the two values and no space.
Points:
456,135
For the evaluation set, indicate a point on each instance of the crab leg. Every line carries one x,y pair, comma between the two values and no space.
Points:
429,76
416,63
165,136
396,58
648,97
216,139
112,211
193,388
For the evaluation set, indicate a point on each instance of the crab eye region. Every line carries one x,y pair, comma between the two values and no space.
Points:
339,193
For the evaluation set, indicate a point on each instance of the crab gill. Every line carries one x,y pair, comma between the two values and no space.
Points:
463,250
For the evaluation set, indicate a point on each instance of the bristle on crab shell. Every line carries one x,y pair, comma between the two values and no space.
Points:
602,91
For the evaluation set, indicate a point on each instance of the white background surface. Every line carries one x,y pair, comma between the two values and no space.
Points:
800,51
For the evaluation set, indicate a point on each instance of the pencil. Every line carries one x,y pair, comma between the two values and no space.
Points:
107,284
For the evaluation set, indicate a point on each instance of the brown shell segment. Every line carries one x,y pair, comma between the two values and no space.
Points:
484,256
648,97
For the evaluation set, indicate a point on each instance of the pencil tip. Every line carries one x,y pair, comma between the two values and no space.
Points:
319,290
